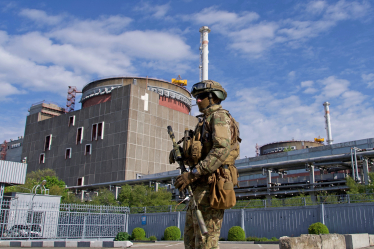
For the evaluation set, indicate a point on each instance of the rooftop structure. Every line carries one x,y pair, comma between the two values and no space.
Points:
46,110
171,95
277,147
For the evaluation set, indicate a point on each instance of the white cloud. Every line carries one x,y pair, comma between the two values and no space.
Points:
307,83
333,87
222,19
74,51
265,117
41,17
256,38
368,79
7,89
316,7
292,74
158,11
310,90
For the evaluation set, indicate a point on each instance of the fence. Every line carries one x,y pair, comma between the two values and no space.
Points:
268,203
272,222
260,218
31,220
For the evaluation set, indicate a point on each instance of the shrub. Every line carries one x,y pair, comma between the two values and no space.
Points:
172,233
250,238
152,238
236,233
274,239
263,239
122,236
318,228
138,233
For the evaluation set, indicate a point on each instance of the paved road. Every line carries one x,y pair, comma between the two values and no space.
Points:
174,245
180,245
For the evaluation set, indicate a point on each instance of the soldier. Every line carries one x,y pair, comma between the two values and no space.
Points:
211,155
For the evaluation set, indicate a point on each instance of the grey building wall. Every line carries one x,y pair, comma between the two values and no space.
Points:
135,140
148,142
14,151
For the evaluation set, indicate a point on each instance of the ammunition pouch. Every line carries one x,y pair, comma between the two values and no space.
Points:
196,149
222,194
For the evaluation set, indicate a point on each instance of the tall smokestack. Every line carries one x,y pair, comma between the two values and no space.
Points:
328,124
204,31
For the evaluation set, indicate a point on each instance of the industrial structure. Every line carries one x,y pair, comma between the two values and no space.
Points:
204,31
277,147
119,134
11,150
328,123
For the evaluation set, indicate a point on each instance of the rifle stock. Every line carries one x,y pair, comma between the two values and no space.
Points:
179,158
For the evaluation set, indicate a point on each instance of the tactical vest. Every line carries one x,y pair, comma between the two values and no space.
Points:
198,143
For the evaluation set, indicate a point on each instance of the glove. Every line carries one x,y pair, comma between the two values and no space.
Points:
171,157
184,180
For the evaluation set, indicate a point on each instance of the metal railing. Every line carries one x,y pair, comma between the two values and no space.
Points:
31,220
35,220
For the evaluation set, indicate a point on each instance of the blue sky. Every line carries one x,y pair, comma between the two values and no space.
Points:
278,60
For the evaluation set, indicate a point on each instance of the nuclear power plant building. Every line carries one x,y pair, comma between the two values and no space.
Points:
119,134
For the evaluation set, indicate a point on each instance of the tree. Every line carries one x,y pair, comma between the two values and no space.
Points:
143,196
105,197
356,188
55,185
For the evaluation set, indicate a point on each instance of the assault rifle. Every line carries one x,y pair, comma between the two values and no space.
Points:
179,158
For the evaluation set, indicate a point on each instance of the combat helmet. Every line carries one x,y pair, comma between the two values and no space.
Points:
209,86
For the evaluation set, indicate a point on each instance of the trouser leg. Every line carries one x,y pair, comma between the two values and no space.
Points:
213,220
189,231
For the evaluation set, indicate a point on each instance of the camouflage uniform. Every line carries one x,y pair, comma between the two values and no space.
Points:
219,141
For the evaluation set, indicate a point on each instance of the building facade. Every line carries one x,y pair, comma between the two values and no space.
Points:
119,134
13,149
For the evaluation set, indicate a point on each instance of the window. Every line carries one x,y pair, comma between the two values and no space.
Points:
15,145
79,138
68,153
42,158
97,131
48,142
80,181
87,151
100,130
71,121
94,132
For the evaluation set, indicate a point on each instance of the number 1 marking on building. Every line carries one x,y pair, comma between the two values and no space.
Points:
145,98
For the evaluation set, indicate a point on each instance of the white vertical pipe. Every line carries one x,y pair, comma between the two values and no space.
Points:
204,31
328,124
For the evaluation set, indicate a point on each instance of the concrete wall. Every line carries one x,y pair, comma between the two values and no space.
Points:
135,140
148,141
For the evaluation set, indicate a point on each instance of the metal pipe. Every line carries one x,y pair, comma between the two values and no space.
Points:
251,169
357,176
353,167
328,124
204,31
365,167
